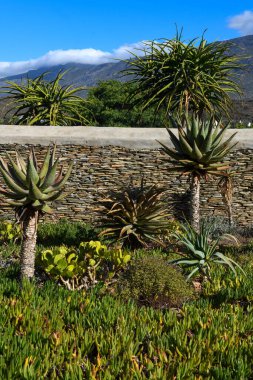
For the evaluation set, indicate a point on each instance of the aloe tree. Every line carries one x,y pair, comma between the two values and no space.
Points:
178,76
199,151
41,102
31,190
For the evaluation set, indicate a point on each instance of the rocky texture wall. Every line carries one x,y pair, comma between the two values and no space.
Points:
109,157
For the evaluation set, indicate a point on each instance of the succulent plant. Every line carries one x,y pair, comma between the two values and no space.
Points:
135,215
85,266
41,102
199,150
31,190
201,253
32,186
199,147
176,76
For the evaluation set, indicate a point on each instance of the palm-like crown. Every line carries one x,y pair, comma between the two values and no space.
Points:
200,147
33,186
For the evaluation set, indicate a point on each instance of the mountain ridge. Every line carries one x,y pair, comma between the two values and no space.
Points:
88,75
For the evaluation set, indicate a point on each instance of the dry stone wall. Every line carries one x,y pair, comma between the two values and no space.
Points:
99,168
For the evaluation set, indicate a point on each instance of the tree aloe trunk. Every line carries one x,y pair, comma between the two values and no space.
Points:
29,245
194,206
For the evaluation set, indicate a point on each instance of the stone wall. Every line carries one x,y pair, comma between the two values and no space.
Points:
108,157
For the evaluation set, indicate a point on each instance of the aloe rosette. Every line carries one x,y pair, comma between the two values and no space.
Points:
199,150
135,215
31,188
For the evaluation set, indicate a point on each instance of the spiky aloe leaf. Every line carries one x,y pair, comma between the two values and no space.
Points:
18,172
10,182
47,209
229,262
45,166
201,252
35,192
193,272
196,153
50,177
20,162
135,214
174,140
185,146
54,196
32,174
59,185
11,195
37,204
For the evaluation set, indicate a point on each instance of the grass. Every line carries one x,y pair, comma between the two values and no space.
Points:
50,234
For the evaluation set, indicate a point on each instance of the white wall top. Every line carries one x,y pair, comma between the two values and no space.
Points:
135,138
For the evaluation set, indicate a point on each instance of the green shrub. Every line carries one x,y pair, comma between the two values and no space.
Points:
9,232
85,266
152,281
65,232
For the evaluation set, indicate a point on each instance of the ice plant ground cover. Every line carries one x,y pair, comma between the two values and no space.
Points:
50,332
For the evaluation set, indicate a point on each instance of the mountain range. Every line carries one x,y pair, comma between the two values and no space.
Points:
77,74
88,75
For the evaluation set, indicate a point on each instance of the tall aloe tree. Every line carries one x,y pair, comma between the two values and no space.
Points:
41,102
31,190
177,76
199,151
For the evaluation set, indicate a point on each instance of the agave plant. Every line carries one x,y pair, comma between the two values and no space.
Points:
199,151
31,190
41,102
201,253
135,215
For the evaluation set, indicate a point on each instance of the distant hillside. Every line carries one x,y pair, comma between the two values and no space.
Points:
243,47
89,75
78,74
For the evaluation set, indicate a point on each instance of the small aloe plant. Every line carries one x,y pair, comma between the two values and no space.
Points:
201,253
135,215
31,190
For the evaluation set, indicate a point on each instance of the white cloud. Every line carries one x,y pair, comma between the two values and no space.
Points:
58,57
243,23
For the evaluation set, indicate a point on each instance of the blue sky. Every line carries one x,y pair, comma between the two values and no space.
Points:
48,32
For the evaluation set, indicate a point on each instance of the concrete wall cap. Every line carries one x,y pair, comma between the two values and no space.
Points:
134,138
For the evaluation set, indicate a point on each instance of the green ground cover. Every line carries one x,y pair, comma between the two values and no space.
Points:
49,332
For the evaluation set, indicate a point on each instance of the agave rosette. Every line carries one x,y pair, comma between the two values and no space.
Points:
200,252
31,185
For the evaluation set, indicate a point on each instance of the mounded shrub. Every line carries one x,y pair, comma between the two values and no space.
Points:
151,281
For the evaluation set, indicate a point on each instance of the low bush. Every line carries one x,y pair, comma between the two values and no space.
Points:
85,266
65,232
151,281
9,232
